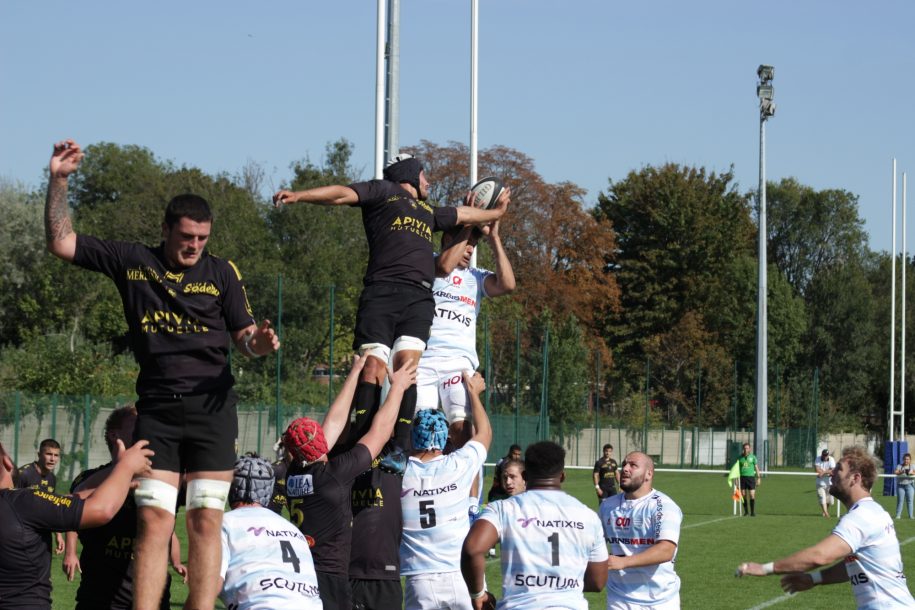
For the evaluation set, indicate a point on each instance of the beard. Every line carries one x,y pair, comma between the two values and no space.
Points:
838,494
632,484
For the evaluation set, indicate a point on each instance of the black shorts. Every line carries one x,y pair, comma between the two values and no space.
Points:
376,594
335,591
388,311
190,433
747,483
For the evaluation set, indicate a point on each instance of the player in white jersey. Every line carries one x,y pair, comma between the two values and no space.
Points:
452,345
434,503
552,544
862,548
642,526
266,562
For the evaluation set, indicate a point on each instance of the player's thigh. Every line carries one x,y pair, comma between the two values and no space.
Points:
426,386
380,308
416,316
160,421
453,394
439,591
211,432
376,594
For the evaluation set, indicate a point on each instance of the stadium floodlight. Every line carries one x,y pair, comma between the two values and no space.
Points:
766,93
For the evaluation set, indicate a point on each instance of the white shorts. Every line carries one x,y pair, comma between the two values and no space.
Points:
618,604
438,591
442,379
823,494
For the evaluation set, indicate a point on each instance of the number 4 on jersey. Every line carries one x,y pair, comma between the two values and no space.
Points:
289,555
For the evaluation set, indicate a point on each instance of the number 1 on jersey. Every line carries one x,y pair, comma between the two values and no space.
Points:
554,544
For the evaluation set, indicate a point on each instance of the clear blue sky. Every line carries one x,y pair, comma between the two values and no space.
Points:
590,89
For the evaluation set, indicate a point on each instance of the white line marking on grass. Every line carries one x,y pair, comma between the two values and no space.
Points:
787,596
686,527
772,602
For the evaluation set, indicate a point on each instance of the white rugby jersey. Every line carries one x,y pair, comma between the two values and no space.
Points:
457,307
631,527
548,538
266,563
433,499
875,565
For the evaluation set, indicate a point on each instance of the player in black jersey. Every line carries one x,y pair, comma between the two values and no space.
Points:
106,561
606,475
28,516
396,306
40,475
183,307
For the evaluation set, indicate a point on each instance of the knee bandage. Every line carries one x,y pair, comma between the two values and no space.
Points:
156,494
408,344
378,350
207,493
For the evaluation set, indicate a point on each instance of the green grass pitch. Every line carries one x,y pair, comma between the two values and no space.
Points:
712,543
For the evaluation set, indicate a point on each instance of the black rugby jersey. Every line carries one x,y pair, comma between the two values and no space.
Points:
318,499
30,476
606,474
377,517
399,232
178,320
27,518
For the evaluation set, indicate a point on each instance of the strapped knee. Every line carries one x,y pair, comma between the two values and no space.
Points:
156,494
207,493
406,343
378,350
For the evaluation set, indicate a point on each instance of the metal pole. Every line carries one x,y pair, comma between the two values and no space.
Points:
54,402
392,107
647,401
487,366
379,90
517,376
17,425
762,371
474,96
330,368
279,354
902,352
87,430
893,316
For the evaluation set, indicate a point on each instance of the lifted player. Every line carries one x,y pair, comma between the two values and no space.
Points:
271,568
27,517
182,308
396,307
552,544
452,346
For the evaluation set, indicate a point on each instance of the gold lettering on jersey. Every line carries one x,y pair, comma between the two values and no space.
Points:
424,205
56,500
201,288
143,274
154,321
367,498
413,225
175,277
120,547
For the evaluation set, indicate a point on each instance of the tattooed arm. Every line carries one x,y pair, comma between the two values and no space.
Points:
59,235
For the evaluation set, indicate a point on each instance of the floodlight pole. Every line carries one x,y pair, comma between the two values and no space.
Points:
765,93
474,96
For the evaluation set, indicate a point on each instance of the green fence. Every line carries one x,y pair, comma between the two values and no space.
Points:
78,423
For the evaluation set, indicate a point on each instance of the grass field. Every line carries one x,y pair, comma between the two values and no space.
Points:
712,543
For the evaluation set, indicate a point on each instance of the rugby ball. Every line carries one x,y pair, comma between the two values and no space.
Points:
485,193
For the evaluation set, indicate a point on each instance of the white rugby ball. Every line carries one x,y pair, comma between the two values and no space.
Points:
485,193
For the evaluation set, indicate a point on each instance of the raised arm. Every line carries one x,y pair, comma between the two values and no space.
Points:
58,229
256,341
449,257
503,280
108,498
481,426
336,194
469,215
383,422
338,414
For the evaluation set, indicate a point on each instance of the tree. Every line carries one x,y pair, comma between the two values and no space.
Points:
21,250
678,231
811,231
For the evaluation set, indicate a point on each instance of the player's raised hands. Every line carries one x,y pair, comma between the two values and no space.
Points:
283,197
405,376
137,457
65,159
474,382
